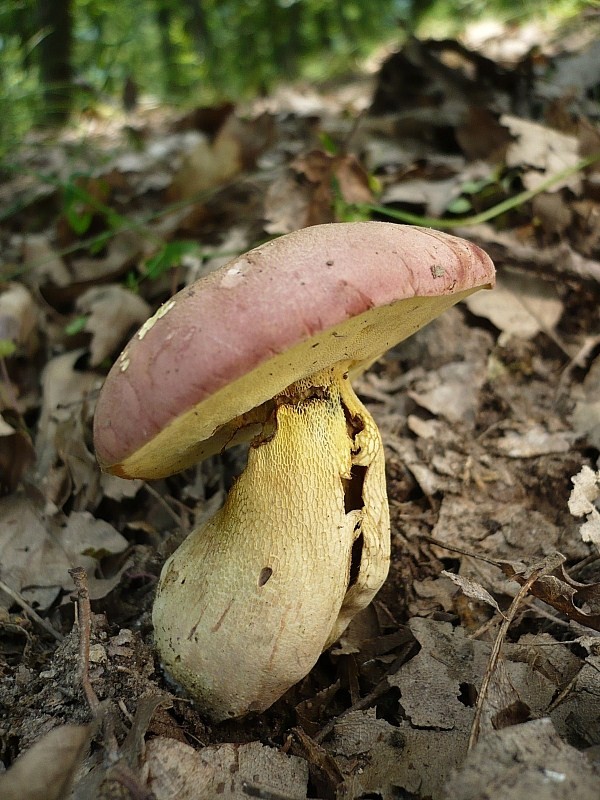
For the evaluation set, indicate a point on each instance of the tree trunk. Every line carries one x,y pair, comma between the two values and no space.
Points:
168,50
54,53
200,31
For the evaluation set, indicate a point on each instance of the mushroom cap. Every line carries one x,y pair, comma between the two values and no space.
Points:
199,375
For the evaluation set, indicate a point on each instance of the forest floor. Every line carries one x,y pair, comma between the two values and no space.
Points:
475,673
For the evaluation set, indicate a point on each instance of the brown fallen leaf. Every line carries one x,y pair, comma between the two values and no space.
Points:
16,451
304,194
112,312
543,150
556,262
586,415
176,770
452,391
522,305
123,251
36,553
473,590
560,591
18,316
554,586
119,771
42,264
46,771
210,164
64,390
528,760
535,440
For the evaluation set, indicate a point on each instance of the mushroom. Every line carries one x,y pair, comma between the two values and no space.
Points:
262,350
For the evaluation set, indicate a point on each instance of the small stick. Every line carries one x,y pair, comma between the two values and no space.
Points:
162,502
366,701
84,622
20,600
254,790
495,655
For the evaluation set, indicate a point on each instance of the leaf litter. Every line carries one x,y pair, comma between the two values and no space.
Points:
476,671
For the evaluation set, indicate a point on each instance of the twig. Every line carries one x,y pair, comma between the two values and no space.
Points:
366,701
562,694
484,628
495,654
254,790
84,623
20,600
453,549
163,503
578,360
490,213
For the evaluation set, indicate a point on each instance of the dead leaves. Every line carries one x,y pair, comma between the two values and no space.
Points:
522,305
112,312
522,761
485,417
304,195
584,502
227,770
47,771
36,553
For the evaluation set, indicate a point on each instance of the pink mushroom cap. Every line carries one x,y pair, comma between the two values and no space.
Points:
197,375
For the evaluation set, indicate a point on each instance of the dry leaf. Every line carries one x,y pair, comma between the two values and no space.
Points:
577,716
304,194
583,502
18,316
36,554
473,590
536,441
47,770
446,660
507,247
432,196
123,252
560,591
401,761
113,312
546,150
64,389
452,391
528,760
41,264
176,770
16,452
586,416
520,305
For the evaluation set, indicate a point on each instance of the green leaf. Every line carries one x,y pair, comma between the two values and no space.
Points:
78,217
7,348
99,242
474,187
460,205
79,221
168,256
328,144
76,325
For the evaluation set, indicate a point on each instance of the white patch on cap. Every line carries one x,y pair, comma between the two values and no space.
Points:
124,360
150,323
235,274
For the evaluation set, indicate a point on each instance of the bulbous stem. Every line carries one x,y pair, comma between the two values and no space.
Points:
248,602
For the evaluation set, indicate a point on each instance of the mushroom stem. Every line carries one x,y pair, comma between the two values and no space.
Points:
249,601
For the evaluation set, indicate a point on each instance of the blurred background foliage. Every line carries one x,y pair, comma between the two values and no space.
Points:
57,56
